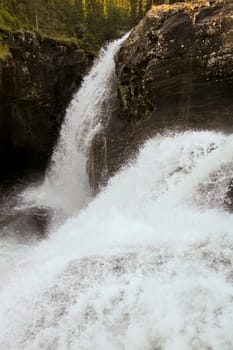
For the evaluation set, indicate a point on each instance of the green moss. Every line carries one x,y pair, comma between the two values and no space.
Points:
74,85
123,89
80,51
5,53
8,21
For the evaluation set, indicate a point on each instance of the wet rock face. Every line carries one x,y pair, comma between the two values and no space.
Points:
36,85
174,71
25,223
177,67
21,220
228,203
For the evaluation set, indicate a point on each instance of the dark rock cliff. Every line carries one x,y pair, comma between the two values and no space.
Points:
37,82
174,71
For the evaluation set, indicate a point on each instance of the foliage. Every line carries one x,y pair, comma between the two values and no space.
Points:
7,21
92,22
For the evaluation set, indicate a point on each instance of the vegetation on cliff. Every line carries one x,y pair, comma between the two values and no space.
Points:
90,22
4,50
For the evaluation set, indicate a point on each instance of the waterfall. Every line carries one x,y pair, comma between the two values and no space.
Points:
66,185
147,264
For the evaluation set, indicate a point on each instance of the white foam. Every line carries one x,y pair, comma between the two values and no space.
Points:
147,265
66,186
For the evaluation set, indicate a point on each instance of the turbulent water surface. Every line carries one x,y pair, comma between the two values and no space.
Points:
146,265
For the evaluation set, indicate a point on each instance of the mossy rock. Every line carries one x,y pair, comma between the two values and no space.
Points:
5,52
123,89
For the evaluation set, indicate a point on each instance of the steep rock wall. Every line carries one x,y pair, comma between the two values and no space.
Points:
174,72
37,82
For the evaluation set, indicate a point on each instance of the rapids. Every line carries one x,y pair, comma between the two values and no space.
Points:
145,265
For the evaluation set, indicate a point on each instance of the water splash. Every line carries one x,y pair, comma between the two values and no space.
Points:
66,186
30,211
147,265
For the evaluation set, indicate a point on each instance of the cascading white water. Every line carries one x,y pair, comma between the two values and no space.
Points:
65,189
66,185
147,265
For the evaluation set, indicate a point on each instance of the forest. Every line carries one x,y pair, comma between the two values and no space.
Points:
90,21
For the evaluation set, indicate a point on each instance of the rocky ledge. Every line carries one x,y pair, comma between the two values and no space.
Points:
38,76
174,71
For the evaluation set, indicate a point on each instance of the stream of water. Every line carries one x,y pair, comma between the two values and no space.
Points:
145,265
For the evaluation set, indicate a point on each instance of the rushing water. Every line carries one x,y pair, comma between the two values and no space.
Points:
66,185
146,265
